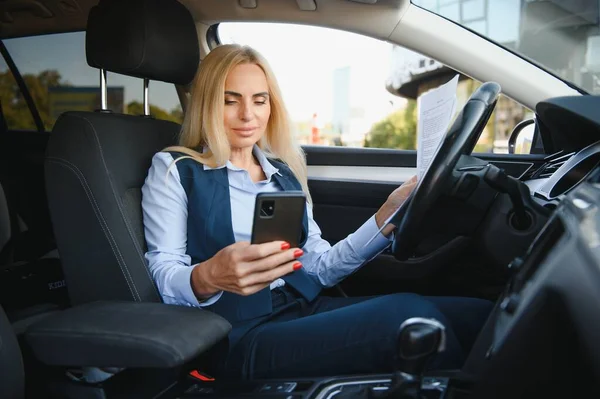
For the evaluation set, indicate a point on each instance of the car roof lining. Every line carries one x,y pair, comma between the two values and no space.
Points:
395,21
38,17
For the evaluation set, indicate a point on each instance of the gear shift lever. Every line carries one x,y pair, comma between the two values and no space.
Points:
419,340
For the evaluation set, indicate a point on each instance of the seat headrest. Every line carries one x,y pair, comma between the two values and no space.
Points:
154,39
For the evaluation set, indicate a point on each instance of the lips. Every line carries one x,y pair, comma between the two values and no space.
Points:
245,131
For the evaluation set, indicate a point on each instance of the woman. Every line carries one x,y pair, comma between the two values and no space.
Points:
198,202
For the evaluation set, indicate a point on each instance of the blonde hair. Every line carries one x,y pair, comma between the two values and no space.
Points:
203,122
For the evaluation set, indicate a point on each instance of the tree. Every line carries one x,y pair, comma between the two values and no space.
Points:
397,130
38,88
16,111
177,114
137,108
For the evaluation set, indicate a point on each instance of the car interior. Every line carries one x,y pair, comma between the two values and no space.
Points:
519,230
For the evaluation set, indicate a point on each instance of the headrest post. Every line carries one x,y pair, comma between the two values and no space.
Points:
146,98
103,91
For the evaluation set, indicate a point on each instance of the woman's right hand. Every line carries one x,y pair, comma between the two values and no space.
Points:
244,268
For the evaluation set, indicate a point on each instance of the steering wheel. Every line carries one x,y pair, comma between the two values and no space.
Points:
459,140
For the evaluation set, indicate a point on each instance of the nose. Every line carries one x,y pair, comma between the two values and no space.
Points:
245,112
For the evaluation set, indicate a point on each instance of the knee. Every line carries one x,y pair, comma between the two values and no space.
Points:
403,306
408,305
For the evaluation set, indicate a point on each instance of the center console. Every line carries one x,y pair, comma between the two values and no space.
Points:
372,386
419,340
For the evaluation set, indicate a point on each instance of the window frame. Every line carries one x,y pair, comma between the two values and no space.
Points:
213,40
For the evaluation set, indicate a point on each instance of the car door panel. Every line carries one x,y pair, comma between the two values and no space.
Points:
340,208
348,185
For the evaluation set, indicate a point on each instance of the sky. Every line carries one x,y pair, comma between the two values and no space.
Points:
305,60
305,76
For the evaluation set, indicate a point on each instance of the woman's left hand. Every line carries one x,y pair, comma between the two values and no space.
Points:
395,199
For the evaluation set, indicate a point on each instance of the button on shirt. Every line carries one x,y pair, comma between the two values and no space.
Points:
164,204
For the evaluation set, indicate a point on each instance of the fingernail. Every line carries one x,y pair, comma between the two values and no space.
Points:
285,245
297,266
298,253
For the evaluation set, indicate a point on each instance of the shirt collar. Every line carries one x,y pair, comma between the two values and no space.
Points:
266,166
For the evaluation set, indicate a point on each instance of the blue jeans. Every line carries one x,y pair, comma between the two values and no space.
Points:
341,336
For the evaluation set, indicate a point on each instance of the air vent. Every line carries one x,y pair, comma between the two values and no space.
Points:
552,164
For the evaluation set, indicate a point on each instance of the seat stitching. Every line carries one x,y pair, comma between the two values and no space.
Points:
100,217
119,206
102,220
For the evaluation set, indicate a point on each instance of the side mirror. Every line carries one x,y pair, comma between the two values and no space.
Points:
521,138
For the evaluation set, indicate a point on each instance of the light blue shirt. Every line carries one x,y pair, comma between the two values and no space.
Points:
165,210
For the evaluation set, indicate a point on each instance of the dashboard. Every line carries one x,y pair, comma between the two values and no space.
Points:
568,128
571,169
546,325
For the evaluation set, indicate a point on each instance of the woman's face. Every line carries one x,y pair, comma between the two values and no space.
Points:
247,107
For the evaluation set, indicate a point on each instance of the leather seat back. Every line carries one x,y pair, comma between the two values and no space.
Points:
95,167
96,162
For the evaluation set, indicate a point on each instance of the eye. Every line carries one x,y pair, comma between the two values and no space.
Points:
230,102
260,102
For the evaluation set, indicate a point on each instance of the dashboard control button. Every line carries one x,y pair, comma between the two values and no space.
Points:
279,387
510,303
515,265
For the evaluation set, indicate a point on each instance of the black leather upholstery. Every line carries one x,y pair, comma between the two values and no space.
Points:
125,334
96,164
12,376
154,39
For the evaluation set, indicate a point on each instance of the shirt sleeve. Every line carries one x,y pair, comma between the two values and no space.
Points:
164,207
330,264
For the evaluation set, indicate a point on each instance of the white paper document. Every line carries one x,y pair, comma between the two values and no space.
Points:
435,109
435,112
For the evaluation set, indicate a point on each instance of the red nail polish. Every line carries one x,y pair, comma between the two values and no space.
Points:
297,266
285,245
298,253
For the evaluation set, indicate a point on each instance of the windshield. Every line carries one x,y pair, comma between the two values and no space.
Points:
561,35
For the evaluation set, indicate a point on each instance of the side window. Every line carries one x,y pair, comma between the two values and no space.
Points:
346,89
14,107
59,79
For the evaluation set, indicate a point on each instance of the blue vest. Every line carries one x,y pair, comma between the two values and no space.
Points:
209,229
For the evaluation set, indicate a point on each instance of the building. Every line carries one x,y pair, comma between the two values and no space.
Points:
358,104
